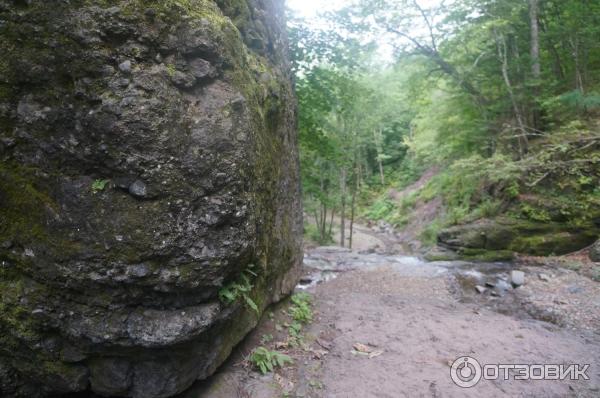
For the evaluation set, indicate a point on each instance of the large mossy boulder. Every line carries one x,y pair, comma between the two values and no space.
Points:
148,160
497,239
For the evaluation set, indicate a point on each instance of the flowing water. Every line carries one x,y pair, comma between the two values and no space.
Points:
487,284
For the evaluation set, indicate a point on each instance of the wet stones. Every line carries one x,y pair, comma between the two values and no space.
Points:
125,66
138,189
517,278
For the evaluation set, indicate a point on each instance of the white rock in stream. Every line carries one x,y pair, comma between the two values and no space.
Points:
480,289
517,278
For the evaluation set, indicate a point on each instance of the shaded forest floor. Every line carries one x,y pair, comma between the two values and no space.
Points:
387,325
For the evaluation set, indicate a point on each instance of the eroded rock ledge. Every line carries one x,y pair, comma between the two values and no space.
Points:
148,157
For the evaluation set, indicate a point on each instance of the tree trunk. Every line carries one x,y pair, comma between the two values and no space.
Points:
377,135
331,221
522,136
343,210
535,40
323,223
535,61
317,218
557,62
577,57
353,205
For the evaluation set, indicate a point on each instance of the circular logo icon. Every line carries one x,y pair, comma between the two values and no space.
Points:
465,372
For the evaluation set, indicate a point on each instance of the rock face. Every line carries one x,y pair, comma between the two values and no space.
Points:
148,160
498,239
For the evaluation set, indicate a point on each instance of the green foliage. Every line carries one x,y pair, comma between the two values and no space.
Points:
313,234
266,360
266,338
295,334
99,185
240,289
301,310
535,213
463,97
380,210
171,69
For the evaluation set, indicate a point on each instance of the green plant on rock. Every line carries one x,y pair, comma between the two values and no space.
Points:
99,185
240,289
266,360
171,70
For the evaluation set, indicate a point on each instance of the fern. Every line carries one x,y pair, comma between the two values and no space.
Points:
240,288
266,360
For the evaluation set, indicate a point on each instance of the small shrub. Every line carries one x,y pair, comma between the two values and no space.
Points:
534,213
266,360
266,338
380,210
430,233
99,185
295,334
312,233
489,208
300,311
171,70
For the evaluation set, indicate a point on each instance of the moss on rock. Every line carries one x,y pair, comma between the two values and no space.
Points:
189,99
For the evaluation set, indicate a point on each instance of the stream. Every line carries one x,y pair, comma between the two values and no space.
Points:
486,284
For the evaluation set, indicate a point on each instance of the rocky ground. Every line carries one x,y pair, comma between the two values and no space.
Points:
387,325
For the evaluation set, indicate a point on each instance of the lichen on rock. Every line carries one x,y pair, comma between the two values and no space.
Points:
148,157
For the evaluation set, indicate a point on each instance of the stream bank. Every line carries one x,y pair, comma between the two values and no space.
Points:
415,318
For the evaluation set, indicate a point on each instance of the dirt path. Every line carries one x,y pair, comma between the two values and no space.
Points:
415,319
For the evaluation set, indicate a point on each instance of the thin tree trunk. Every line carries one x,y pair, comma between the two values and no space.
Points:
535,40
352,209
324,223
576,56
535,61
502,53
317,217
321,223
557,64
377,135
359,171
343,210
331,221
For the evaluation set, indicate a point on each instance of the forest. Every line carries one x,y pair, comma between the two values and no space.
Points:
432,114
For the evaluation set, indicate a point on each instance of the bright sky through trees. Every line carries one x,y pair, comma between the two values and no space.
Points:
310,8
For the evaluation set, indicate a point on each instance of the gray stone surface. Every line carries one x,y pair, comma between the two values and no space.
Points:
517,278
494,239
148,157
